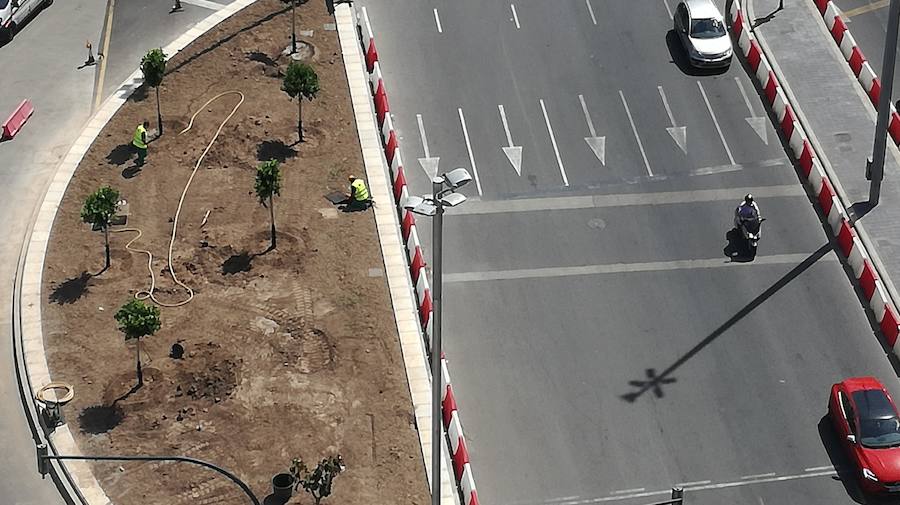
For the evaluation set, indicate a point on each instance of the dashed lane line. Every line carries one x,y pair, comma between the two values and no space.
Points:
462,122
636,136
437,21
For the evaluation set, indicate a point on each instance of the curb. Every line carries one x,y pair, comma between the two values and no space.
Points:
818,183
74,478
398,233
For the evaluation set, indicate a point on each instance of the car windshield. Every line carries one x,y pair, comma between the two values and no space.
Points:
707,29
3,4
878,423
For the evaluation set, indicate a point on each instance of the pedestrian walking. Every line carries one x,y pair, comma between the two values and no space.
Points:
139,141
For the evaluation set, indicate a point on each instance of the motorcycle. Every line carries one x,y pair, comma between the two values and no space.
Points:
751,231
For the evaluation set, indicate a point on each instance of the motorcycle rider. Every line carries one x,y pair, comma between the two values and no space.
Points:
746,211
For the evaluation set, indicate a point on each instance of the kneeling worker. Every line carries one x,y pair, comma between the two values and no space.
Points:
359,195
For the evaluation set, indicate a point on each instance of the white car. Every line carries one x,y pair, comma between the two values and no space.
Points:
701,30
13,13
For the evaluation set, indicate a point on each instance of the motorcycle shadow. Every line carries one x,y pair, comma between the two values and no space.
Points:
737,248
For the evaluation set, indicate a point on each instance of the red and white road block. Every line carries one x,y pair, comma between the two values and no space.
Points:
14,122
462,467
810,168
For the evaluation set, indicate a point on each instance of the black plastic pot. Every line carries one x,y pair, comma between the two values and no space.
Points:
283,486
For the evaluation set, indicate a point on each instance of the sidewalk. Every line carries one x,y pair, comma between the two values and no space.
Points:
838,117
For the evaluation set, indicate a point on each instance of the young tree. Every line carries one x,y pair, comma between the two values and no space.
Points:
137,319
153,65
99,208
318,482
268,184
300,81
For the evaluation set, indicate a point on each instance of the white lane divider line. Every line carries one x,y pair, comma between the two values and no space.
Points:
213,6
437,21
629,491
513,152
757,123
636,136
559,162
678,133
597,144
758,476
591,10
693,483
716,123
462,122
515,16
429,164
818,468
668,9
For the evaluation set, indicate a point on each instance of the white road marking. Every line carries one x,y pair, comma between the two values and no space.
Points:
678,133
462,122
597,144
716,123
628,491
706,487
429,164
564,498
625,268
758,476
818,468
757,123
636,136
668,9
437,20
693,483
559,162
205,4
591,10
474,206
515,16
513,153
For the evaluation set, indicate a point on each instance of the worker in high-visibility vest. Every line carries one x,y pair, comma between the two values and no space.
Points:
359,195
139,141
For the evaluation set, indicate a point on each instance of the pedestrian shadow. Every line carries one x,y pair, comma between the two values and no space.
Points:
274,150
120,154
655,382
765,19
131,172
846,471
71,290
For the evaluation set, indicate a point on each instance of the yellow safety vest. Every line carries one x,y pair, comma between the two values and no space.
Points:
360,193
138,139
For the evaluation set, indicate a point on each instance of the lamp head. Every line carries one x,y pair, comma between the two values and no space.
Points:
457,178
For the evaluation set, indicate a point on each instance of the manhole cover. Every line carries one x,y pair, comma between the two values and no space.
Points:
597,223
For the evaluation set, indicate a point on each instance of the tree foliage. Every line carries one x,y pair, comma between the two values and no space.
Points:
153,65
300,80
99,207
268,181
318,482
137,319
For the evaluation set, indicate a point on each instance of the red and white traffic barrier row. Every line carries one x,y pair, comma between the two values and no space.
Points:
462,468
814,177
854,56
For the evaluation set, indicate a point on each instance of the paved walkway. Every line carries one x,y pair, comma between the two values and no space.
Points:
837,114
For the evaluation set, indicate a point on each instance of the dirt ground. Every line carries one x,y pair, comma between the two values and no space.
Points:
289,353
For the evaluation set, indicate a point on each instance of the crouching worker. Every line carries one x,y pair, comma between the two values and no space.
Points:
359,196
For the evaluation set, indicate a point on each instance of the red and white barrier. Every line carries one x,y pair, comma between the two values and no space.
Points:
811,170
462,468
14,122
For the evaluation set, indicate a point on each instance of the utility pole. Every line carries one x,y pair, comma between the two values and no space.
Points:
437,434
875,164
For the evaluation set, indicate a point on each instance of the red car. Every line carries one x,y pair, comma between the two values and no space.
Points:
868,427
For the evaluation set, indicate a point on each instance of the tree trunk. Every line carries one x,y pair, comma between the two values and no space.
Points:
300,116
106,243
272,216
137,354
293,29
158,113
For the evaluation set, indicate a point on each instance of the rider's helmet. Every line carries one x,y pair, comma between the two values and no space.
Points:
748,199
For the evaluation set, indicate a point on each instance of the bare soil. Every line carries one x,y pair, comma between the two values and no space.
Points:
290,352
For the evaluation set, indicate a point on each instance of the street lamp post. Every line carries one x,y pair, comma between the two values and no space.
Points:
443,193
875,165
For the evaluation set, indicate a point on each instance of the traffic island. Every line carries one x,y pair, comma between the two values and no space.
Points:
263,354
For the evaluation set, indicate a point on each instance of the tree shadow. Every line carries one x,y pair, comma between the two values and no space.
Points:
261,57
681,60
71,290
100,418
274,150
655,381
846,470
120,154
737,248
242,261
139,94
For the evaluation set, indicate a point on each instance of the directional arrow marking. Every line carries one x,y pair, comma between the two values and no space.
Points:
757,123
513,153
429,164
678,133
597,144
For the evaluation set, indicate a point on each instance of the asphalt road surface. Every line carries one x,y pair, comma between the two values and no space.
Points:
867,21
603,347
42,63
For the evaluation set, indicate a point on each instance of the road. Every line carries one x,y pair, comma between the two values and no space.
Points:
603,348
867,21
42,64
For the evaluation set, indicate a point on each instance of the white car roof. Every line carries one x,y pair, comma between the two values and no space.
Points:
703,9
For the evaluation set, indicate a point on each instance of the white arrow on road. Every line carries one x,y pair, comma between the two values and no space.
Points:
678,133
513,153
429,164
597,144
757,123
